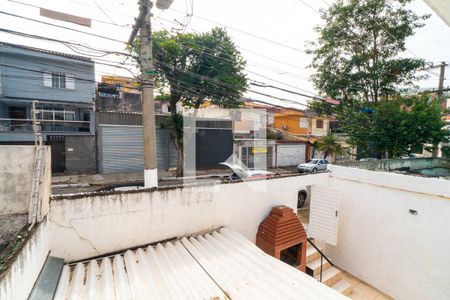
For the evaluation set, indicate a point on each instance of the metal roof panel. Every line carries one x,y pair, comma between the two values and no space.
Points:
218,265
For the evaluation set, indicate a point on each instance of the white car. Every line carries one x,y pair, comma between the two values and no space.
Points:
241,173
313,166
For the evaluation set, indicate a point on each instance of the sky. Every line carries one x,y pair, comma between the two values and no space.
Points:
271,35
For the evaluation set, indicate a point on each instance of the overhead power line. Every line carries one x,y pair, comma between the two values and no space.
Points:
245,32
63,27
96,20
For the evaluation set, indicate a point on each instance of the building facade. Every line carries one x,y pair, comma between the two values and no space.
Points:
61,87
302,123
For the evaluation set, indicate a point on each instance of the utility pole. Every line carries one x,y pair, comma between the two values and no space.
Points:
143,25
441,80
440,95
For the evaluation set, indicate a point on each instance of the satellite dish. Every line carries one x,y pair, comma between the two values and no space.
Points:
163,4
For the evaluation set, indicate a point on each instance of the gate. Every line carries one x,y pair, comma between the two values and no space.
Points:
57,144
121,148
257,157
212,147
290,154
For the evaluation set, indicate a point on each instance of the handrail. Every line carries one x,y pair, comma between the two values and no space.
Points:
321,253
321,257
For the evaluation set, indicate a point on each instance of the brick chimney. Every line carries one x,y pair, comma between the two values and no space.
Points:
282,235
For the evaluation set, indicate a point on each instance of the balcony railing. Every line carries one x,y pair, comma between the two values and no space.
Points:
26,126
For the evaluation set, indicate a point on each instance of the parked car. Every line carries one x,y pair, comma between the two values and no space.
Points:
313,166
241,173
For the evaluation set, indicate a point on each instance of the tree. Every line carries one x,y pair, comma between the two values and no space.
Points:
192,68
315,146
393,128
329,145
356,54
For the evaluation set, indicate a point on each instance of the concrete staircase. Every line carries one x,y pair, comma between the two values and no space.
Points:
331,276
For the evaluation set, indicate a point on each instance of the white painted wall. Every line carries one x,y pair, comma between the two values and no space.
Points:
94,225
406,256
18,281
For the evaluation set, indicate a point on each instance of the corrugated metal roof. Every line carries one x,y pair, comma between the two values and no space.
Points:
217,265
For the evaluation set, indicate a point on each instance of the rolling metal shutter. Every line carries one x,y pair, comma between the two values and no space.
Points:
290,155
121,149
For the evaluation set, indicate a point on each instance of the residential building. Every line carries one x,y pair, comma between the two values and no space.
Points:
122,94
305,124
62,88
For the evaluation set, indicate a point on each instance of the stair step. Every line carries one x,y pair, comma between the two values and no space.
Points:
330,276
342,287
312,253
315,266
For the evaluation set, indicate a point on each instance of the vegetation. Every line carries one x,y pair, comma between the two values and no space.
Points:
315,147
329,146
357,53
192,68
393,128
356,59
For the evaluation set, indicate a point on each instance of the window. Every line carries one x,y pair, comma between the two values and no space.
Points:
303,123
319,123
58,80
52,114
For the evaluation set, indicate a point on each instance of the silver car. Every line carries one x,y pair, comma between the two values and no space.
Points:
313,166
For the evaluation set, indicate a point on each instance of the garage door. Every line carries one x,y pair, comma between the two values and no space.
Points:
290,155
121,149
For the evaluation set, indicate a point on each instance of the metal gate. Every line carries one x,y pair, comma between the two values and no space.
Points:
257,157
121,148
212,146
57,144
290,154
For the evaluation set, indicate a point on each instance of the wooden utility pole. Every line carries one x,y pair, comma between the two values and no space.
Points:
143,25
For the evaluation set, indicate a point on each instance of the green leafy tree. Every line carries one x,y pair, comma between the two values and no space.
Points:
393,128
356,55
194,68
329,145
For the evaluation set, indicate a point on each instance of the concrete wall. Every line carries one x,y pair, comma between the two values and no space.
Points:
16,170
396,164
381,242
91,225
18,280
80,154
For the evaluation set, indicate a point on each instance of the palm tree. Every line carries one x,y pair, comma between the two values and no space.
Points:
329,145
315,147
